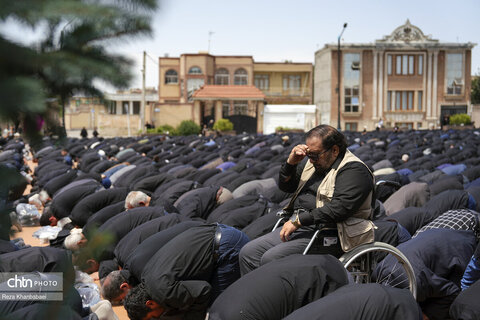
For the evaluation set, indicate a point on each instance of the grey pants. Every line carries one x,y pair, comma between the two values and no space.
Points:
270,247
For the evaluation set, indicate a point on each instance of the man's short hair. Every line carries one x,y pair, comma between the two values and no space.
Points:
135,302
111,289
330,137
134,198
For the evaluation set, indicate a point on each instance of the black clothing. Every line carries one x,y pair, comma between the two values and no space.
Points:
62,204
352,185
84,133
121,224
42,259
178,275
59,182
198,203
54,312
262,225
139,256
230,205
242,217
369,301
276,289
411,218
168,193
99,218
466,306
128,243
438,257
92,203
149,184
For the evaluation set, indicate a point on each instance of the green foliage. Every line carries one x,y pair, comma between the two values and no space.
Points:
460,118
187,127
37,78
475,96
223,125
165,129
280,128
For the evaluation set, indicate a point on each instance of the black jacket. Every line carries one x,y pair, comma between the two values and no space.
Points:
276,289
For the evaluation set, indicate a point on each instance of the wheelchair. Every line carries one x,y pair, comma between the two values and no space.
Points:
361,262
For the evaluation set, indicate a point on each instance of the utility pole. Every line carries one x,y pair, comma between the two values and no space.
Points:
142,107
209,37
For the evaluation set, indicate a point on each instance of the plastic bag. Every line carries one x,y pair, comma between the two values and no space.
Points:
28,214
89,293
47,233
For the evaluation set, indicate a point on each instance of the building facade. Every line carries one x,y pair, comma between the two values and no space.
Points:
180,78
117,115
407,79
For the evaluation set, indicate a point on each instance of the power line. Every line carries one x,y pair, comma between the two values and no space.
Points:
153,60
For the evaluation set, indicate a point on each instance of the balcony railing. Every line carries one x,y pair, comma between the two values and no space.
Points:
281,92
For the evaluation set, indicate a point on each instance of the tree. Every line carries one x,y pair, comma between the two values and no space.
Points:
475,97
37,78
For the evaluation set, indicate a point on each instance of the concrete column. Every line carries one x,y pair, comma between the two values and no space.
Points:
196,112
218,110
428,94
380,84
375,75
434,90
260,107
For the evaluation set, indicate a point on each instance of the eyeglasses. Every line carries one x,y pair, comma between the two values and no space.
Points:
315,156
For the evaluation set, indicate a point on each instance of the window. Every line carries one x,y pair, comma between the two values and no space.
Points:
420,64
262,81
411,65
404,125
389,64
240,77
351,99
454,73
195,70
389,100
351,82
225,109
419,100
405,64
403,100
292,83
398,69
125,107
240,108
351,126
192,86
136,107
111,106
222,77
171,76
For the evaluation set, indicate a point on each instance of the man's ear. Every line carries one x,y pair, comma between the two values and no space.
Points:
125,285
141,204
151,304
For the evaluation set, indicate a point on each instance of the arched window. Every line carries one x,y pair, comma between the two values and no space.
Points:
222,76
195,70
240,77
171,76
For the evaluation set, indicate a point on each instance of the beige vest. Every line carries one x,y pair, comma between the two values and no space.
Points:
354,226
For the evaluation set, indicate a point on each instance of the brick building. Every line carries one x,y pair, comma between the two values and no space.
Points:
407,79
180,77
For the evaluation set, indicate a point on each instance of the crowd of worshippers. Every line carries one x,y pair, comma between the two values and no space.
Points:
182,227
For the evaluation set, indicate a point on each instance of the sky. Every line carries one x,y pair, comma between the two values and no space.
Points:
279,30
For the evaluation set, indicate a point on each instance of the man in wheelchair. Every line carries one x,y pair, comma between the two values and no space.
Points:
331,188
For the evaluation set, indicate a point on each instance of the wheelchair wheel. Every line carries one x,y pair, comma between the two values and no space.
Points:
381,263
